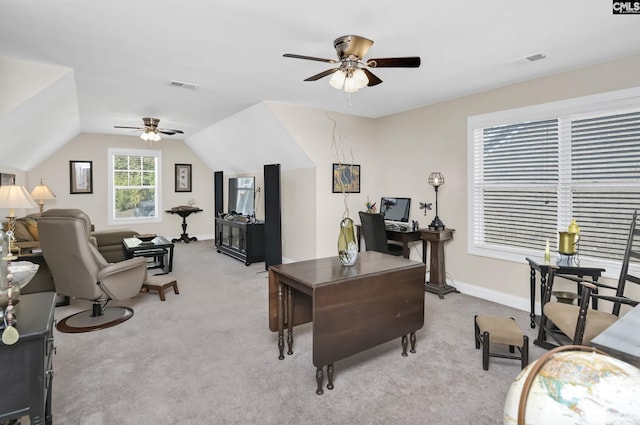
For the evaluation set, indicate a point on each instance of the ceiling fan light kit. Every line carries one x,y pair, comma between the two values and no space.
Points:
352,73
151,132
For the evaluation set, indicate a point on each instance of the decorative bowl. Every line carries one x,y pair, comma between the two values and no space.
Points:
146,237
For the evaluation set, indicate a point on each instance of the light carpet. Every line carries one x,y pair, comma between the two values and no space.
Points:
206,356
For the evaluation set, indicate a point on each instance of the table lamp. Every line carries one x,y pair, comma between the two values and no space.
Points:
42,193
436,180
12,197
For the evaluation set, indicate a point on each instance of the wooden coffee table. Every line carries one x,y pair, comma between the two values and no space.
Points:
157,248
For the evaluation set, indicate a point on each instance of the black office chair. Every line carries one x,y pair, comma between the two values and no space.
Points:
375,234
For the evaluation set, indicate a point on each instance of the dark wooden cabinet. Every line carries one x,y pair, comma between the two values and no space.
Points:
243,241
26,367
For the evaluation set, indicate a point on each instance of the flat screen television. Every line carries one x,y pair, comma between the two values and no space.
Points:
242,195
395,209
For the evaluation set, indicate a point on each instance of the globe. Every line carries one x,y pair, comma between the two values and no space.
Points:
577,387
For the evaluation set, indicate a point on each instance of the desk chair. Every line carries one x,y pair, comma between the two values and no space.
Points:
578,324
375,234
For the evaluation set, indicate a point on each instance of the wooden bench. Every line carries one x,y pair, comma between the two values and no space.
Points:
160,283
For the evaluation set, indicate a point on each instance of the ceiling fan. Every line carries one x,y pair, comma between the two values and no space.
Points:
352,73
151,130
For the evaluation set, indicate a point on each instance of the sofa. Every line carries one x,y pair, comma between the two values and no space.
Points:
108,242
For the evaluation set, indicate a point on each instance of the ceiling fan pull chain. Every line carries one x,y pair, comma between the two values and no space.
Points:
349,99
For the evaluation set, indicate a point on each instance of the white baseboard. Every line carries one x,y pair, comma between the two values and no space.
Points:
513,301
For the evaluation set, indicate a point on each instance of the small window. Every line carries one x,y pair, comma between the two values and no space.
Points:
134,186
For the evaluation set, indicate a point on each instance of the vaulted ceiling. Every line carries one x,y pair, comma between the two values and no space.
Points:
79,66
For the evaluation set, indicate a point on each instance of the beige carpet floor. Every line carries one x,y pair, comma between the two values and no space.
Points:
206,356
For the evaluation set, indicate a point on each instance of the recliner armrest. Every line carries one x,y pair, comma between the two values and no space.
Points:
124,279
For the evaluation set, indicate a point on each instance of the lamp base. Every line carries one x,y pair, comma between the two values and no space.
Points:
436,224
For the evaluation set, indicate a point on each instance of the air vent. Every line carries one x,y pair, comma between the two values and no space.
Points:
184,85
527,59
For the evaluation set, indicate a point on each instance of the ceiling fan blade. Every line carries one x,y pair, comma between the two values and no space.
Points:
311,58
133,128
170,131
322,74
373,80
408,62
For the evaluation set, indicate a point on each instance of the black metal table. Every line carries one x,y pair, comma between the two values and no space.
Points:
157,248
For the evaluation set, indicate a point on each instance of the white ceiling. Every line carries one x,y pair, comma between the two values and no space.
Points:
122,54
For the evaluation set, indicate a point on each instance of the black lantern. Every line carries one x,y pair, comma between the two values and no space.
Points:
436,180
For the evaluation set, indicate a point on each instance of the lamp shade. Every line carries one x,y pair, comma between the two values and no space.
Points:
13,196
42,192
436,179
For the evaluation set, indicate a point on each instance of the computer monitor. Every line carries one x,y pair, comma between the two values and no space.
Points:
395,209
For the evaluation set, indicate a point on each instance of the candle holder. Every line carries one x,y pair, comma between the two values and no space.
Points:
436,180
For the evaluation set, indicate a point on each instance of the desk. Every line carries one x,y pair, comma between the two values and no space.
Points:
621,339
404,236
353,308
437,273
184,212
539,266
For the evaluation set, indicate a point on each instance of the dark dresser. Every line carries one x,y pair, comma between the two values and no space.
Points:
26,368
240,240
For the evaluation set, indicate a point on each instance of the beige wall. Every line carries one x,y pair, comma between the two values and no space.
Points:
93,147
397,153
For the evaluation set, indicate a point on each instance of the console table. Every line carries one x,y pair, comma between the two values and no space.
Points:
353,308
26,367
540,266
184,212
437,273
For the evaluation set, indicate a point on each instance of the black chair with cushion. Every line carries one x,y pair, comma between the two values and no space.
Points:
579,324
375,234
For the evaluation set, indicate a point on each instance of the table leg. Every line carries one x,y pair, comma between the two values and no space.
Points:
170,268
412,339
330,376
290,319
319,379
281,320
532,290
405,344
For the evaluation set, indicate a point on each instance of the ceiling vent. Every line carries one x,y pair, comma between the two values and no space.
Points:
184,85
527,59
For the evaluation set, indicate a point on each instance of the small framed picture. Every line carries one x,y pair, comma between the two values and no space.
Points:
183,177
80,177
7,179
346,178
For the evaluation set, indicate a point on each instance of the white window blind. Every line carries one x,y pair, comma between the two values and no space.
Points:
535,169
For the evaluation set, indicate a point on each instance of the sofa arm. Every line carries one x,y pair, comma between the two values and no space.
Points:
112,237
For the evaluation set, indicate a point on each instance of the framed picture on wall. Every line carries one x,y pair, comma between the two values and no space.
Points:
7,179
183,177
346,178
80,177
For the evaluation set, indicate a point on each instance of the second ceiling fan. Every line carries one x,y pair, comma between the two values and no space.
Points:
352,72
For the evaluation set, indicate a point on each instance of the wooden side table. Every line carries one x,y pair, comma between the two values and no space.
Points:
437,274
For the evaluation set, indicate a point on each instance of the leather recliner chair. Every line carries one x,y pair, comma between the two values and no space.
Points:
80,271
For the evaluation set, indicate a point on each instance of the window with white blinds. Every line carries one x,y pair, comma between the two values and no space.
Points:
534,169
